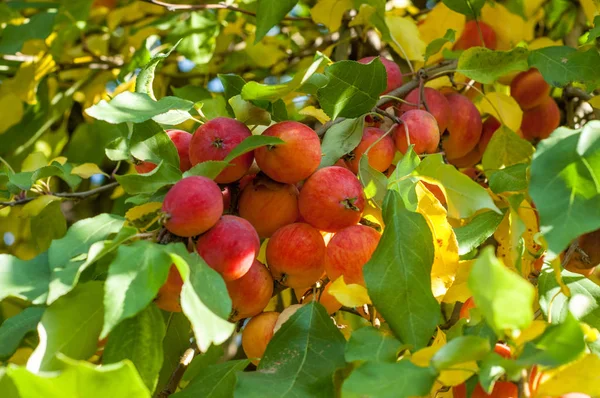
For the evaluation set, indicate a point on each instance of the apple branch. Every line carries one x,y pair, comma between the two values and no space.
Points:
65,195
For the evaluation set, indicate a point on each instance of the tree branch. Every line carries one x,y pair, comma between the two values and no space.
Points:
65,195
217,6
179,371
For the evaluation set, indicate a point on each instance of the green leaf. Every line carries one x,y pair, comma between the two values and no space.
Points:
137,108
353,88
404,178
134,277
27,280
300,360
150,142
15,328
436,45
80,379
164,174
144,80
460,350
370,344
505,149
465,196
192,93
204,298
511,179
203,361
209,169
140,59
139,339
374,182
269,13
398,274
473,234
248,113
46,219
340,139
198,34
70,326
470,8
562,65
388,380
39,26
565,171
232,84
594,33
504,298
215,381
486,66
175,343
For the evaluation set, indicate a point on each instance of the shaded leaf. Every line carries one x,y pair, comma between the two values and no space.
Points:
215,381
370,344
16,327
473,234
486,66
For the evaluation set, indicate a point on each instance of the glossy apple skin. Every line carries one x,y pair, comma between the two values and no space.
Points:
469,160
332,199
503,350
214,140
502,389
327,300
464,128
348,251
489,127
257,334
168,295
296,255
294,160
192,206
251,293
394,74
464,310
436,102
268,205
230,247
423,132
380,155
181,139
529,89
471,37
541,121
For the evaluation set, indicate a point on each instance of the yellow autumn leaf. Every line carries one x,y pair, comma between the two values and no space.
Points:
504,108
365,12
510,28
533,331
316,113
36,206
352,295
543,42
406,39
87,170
438,21
581,376
264,53
59,159
445,263
330,12
595,101
24,83
459,291
144,215
591,8
12,110
117,193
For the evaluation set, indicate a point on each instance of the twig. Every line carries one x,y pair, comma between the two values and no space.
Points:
66,195
218,6
179,371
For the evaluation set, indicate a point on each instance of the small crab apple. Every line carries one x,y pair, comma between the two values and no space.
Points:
348,251
540,121
214,140
464,128
466,307
294,160
326,299
472,34
181,139
436,103
381,154
230,247
296,255
502,389
168,295
422,129
489,127
268,205
332,199
251,293
192,206
257,333
529,89
394,74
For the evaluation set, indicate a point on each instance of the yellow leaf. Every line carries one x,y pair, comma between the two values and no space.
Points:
264,53
582,376
534,330
59,159
438,21
34,161
12,110
35,207
144,215
364,15
352,295
87,170
445,263
543,42
330,12
459,291
117,193
406,39
316,113
510,28
27,78
504,108
590,9
595,101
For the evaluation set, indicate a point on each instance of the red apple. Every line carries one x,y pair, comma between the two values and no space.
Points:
251,293
394,74
327,300
181,139
422,130
436,102
257,334
168,295
464,127
471,36
380,155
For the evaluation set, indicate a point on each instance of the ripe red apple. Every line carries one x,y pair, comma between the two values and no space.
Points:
503,350
214,140
381,154
327,300
464,310
181,139
464,127
296,255
251,293
257,334
436,102
489,127
540,121
268,205
294,160
168,295
192,206
502,389
471,36
469,160
422,129
394,74
230,247
348,251
332,199
529,89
